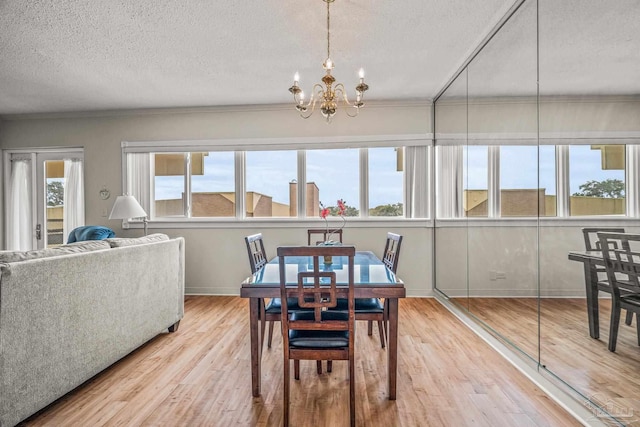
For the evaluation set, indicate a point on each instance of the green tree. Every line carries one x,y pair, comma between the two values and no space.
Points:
55,193
609,188
392,209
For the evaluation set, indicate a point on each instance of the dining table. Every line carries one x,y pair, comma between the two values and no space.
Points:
372,280
592,262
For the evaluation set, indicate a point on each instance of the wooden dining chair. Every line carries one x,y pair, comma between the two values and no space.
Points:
592,243
325,233
317,333
621,253
269,312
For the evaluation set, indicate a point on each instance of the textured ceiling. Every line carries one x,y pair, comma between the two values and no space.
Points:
69,55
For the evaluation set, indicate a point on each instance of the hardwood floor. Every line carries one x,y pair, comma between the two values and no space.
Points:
200,376
567,350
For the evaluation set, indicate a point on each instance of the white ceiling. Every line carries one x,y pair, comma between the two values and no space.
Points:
69,55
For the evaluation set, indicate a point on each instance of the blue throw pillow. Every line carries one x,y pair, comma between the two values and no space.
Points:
90,232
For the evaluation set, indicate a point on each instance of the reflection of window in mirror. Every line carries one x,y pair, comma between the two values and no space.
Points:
527,180
597,180
476,169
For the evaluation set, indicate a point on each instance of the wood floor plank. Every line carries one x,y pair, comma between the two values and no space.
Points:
200,376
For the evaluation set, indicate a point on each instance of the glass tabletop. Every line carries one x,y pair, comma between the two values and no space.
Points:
368,270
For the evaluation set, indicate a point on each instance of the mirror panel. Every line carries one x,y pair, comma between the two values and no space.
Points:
588,100
502,137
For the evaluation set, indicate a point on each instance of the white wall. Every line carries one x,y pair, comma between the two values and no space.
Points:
216,257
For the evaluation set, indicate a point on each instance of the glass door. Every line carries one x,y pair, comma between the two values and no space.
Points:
45,197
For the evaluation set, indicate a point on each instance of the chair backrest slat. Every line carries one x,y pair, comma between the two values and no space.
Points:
591,240
325,233
315,288
256,252
391,254
621,253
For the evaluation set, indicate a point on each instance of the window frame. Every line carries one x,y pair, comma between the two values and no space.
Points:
301,145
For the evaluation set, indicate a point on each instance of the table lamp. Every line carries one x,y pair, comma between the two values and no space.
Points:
126,207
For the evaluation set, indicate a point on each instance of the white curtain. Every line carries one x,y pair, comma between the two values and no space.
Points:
449,181
19,216
73,197
138,179
417,170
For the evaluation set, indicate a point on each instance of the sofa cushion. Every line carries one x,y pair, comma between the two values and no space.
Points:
118,242
73,248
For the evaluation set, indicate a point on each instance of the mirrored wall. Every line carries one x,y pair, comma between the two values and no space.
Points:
538,138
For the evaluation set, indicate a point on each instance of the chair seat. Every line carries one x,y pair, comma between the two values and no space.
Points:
318,339
274,306
631,299
362,305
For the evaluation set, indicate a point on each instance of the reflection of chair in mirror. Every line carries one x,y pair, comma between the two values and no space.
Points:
324,233
591,243
317,333
621,254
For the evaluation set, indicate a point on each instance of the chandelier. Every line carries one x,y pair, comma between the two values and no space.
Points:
330,95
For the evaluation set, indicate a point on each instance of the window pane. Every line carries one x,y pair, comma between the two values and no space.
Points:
476,180
213,189
520,192
597,179
386,179
333,175
271,183
169,184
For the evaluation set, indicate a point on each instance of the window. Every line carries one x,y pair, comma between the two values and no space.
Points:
476,185
527,181
213,192
271,182
597,180
218,179
386,179
333,175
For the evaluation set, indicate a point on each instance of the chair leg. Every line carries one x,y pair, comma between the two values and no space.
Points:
270,334
382,334
615,323
369,327
285,403
629,317
263,321
296,369
319,366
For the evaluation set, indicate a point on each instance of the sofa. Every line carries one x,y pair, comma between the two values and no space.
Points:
67,313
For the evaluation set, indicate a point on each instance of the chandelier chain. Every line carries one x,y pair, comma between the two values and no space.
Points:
328,37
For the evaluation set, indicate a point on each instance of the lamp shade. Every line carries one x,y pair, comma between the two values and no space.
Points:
126,207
